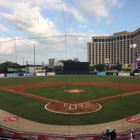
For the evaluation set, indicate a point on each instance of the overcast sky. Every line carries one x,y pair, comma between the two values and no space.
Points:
60,28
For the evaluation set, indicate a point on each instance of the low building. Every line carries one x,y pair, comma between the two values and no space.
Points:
35,69
54,62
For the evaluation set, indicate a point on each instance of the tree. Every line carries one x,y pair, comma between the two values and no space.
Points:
58,68
100,67
118,67
70,60
107,67
50,69
76,60
3,66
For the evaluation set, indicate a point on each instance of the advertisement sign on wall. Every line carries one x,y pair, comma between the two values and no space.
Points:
11,74
1,74
123,74
40,74
50,73
101,73
28,74
20,73
30,136
16,68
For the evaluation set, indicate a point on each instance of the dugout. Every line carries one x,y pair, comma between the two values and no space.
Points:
76,67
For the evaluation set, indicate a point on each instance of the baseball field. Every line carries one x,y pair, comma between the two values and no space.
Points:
71,99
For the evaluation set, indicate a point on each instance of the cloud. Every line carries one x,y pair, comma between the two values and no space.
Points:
96,9
82,26
70,9
109,20
59,6
36,19
3,28
29,19
7,50
44,3
46,48
26,16
6,4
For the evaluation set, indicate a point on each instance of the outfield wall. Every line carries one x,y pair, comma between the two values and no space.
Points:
69,73
26,74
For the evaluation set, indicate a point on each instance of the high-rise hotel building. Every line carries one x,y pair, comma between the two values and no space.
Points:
114,49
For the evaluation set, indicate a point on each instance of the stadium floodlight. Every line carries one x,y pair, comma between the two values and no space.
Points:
34,54
133,46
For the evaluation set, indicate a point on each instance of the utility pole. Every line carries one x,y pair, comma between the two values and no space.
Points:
23,61
27,66
34,58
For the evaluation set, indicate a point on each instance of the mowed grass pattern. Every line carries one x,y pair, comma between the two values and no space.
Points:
33,109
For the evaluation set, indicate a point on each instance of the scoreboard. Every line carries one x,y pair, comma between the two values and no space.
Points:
16,68
76,66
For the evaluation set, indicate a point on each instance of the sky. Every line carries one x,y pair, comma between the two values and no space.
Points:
44,29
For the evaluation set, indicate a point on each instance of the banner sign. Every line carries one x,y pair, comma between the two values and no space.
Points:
23,135
1,74
11,74
49,137
115,74
123,74
40,74
109,73
50,73
28,74
27,136
7,133
16,68
20,73
101,73
32,136
136,74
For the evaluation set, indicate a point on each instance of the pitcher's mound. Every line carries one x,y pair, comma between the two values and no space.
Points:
74,90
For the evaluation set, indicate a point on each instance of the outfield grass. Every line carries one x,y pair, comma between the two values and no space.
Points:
33,109
68,78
